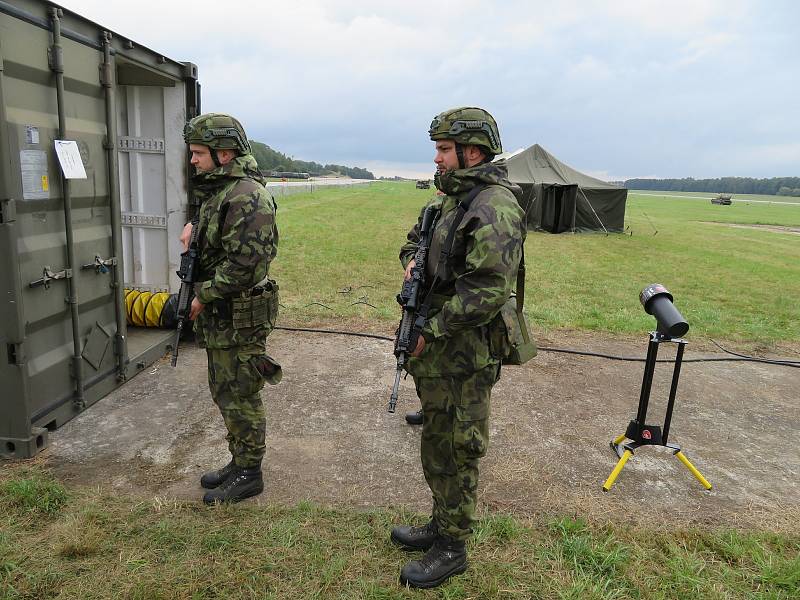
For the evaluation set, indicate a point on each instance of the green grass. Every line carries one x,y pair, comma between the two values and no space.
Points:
34,495
339,249
98,546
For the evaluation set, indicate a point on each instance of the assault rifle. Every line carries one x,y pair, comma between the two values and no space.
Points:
190,263
415,311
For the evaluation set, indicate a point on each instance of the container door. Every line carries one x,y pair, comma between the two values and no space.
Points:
31,114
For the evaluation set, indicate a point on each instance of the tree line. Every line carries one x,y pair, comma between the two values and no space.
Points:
272,160
775,186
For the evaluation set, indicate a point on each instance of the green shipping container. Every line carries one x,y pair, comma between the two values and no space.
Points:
69,247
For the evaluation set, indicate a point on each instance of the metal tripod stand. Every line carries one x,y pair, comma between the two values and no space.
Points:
638,432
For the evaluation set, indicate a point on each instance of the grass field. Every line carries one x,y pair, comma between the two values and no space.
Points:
338,252
339,249
56,543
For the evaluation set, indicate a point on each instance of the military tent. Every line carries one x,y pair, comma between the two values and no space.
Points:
558,198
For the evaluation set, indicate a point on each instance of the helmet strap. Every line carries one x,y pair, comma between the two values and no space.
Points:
214,157
460,155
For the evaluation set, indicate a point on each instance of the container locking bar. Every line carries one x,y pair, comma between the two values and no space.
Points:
100,264
48,275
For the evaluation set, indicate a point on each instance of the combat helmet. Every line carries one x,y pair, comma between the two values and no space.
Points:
468,125
217,131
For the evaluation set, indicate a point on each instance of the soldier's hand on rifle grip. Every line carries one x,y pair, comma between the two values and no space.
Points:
410,266
420,347
186,235
196,308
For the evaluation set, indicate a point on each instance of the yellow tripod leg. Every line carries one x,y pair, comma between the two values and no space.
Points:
693,470
617,441
621,463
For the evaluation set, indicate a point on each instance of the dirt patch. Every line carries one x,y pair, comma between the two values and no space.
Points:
772,228
331,440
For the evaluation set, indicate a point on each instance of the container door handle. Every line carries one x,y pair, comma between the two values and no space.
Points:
100,265
48,275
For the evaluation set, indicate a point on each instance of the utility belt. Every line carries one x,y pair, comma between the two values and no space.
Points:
251,308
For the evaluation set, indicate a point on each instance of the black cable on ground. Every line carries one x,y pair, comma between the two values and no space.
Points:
778,361
354,333
736,357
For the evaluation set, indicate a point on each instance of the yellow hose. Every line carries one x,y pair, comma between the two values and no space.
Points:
144,308
152,314
130,296
138,308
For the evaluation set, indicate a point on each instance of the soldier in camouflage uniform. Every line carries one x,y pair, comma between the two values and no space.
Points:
458,355
235,304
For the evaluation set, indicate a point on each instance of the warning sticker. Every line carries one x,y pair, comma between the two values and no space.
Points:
33,167
31,134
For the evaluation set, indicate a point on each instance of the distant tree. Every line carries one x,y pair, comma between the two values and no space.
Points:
787,191
272,160
728,185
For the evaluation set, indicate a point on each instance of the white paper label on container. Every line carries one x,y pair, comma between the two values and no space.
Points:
33,168
31,134
70,159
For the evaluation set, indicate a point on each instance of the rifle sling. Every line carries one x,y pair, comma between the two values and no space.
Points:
521,280
447,248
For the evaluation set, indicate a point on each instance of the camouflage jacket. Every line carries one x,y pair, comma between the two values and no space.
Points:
237,240
478,278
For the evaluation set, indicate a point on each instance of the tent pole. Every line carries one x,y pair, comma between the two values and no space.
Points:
580,189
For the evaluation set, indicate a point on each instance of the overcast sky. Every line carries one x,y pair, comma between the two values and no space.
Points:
618,89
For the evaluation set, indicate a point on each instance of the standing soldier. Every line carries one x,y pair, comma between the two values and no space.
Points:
235,304
457,358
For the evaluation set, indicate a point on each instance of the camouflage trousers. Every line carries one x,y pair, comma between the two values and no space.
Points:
455,435
235,385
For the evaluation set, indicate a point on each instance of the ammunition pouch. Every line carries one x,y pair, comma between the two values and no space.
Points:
509,335
521,345
255,307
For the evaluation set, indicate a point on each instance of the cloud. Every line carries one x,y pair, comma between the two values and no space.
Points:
620,87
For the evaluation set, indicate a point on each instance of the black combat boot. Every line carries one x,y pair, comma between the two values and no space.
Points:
446,558
415,538
242,483
415,418
216,478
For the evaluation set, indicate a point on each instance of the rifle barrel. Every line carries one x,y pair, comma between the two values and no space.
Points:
393,397
175,345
